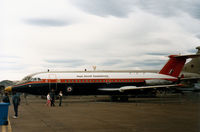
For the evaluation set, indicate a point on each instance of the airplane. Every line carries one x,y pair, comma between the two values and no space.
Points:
190,75
110,83
192,68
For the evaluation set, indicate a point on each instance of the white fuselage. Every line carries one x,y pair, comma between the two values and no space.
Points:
102,75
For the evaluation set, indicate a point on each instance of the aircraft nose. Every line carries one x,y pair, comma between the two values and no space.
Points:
8,89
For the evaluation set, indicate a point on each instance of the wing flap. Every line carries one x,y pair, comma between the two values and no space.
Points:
126,88
109,89
122,89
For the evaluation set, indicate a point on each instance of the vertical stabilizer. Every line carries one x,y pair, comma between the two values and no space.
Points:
174,66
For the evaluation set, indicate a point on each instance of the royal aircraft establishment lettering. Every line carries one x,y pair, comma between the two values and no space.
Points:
92,76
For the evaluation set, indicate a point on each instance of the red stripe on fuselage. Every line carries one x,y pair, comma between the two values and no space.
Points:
139,80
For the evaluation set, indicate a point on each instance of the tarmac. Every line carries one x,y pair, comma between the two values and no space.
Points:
174,113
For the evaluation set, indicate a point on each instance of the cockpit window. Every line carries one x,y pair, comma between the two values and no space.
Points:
35,79
26,78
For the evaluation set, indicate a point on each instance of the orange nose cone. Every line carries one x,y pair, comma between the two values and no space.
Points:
8,89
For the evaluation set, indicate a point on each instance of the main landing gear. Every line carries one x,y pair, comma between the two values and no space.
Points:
119,98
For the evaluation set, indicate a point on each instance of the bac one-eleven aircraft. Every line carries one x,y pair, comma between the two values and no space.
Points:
104,82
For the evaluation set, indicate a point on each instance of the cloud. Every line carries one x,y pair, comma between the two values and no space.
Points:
111,62
198,35
74,62
192,7
145,64
185,13
47,22
9,56
122,34
118,8
193,50
159,53
121,8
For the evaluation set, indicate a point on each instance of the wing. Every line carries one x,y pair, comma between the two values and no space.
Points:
126,88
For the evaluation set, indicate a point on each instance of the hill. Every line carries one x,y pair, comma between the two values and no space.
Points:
5,83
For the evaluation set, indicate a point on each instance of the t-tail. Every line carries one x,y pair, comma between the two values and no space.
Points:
194,65
175,64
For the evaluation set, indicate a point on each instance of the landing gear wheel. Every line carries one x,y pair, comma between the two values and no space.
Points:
124,98
113,98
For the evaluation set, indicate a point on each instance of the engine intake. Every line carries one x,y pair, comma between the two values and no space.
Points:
157,82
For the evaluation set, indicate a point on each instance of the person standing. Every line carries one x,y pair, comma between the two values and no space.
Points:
6,98
16,102
48,100
60,98
52,96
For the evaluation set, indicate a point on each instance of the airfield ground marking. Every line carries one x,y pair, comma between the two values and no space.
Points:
3,128
9,126
6,128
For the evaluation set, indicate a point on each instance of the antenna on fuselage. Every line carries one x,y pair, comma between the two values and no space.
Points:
94,68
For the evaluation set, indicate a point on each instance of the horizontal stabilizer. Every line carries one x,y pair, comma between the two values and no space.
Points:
187,56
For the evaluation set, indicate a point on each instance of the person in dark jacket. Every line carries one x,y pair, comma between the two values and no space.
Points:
52,97
16,102
6,98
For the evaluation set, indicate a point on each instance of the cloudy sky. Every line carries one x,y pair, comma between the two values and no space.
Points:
36,35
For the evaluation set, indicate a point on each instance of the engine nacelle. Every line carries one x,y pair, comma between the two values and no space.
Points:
157,82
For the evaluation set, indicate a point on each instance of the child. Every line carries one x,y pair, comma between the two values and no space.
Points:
60,98
48,100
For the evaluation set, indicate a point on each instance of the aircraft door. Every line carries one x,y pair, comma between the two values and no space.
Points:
52,79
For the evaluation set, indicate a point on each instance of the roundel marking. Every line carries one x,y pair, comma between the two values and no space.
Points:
69,89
